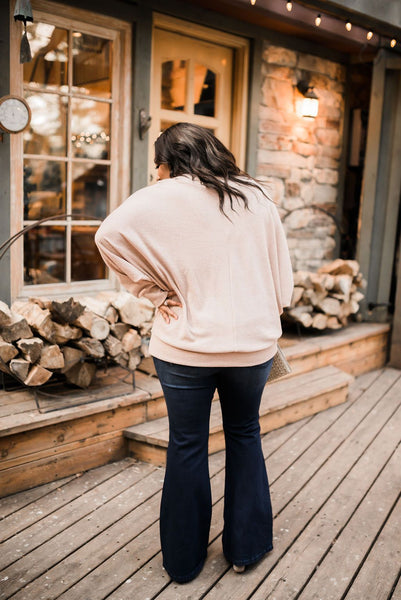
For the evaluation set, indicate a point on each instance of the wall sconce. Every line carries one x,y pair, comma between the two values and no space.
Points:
310,104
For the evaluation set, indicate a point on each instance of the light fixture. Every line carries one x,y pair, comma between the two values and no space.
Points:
369,35
289,6
348,26
310,103
253,2
318,20
393,42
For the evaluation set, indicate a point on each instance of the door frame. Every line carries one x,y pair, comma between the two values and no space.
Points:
380,197
240,47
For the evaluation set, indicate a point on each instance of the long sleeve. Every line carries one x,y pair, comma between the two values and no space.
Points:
282,268
135,276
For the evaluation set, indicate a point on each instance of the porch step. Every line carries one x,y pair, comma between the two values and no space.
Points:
283,401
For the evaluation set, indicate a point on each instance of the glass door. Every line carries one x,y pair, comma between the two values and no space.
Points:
191,81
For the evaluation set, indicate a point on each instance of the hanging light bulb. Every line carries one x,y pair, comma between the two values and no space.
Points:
318,20
348,26
369,35
289,6
253,2
393,42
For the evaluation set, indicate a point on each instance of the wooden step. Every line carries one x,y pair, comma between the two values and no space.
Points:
283,401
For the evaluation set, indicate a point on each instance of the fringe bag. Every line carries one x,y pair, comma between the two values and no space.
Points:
280,366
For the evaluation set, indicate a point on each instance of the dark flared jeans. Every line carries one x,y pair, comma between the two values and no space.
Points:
186,504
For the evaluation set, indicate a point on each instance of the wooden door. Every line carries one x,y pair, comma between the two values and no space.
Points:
192,81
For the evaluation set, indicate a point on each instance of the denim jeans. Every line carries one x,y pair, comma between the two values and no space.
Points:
186,504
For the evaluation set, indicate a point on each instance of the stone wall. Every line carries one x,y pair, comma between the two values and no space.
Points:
299,157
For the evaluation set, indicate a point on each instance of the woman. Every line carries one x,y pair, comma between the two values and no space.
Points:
206,246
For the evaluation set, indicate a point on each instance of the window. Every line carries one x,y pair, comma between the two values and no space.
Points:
72,167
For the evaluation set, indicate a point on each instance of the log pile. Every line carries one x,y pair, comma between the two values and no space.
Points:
40,337
328,298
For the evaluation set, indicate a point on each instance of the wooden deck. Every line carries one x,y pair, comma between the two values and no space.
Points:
335,481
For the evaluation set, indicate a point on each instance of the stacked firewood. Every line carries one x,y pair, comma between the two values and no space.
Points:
326,299
41,337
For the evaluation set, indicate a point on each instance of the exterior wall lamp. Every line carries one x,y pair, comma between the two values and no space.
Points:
309,105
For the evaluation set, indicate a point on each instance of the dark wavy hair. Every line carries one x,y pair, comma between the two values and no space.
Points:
192,150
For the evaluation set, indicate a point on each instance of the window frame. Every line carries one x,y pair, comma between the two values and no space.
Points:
120,158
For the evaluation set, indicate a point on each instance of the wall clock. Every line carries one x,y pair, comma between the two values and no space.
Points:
15,114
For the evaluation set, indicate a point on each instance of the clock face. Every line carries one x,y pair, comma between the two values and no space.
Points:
14,114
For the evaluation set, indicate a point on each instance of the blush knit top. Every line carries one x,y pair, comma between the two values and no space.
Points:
232,275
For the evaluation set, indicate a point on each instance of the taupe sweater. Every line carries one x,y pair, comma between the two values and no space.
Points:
233,277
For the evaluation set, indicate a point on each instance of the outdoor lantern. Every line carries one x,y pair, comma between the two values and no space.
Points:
310,103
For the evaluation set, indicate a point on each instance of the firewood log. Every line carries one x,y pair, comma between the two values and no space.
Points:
122,359
357,296
133,311
97,327
119,329
341,267
319,321
19,367
72,356
302,279
330,306
91,347
112,345
81,374
297,295
38,375
343,285
131,340
111,315
31,348
7,351
39,319
134,359
17,329
333,323
67,311
5,314
65,333
51,357
96,305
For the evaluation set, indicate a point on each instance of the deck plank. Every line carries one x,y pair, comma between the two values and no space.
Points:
321,469
381,567
294,514
57,498
346,554
309,550
16,502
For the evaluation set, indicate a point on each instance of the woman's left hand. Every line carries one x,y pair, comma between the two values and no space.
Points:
165,309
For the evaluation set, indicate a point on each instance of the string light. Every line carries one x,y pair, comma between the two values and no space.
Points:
348,24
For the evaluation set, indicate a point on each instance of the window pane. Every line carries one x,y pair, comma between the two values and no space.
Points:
174,84
90,190
92,62
44,188
49,65
44,250
205,91
48,127
86,262
90,129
